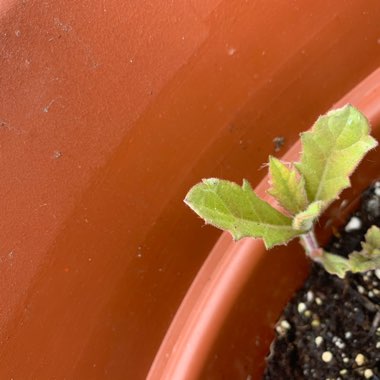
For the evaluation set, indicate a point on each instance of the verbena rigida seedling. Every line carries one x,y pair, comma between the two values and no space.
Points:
303,190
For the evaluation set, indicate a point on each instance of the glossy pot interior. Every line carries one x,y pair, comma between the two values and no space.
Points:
110,111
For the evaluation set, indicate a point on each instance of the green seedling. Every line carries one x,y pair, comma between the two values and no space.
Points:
303,190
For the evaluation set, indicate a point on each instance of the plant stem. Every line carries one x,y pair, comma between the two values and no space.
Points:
310,244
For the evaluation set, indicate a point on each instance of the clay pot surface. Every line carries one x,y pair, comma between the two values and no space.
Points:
110,111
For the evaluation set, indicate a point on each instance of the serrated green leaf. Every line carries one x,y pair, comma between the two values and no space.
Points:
369,256
287,186
304,220
335,264
372,240
332,150
240,211
361,263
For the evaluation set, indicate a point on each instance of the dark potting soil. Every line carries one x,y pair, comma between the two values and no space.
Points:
331,328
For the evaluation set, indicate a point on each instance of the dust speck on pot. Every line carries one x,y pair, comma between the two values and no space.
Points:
231,51
57,154
278,142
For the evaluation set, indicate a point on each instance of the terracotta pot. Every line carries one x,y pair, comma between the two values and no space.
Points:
109,112
226,322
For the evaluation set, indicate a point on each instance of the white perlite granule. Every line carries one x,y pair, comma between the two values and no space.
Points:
318,341
301,307
327,356
360,359
354,224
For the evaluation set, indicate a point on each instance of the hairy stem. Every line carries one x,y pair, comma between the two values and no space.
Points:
311,246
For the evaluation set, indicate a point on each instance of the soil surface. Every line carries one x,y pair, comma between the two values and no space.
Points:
331,328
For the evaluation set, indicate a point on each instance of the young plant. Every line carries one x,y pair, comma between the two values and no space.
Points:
330,153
